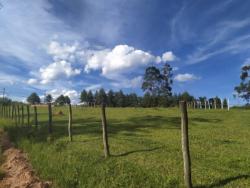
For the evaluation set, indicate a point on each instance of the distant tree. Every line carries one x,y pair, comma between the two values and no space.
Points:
119,99
48,98
84,96
5,100
166,80
152,81
102,96
60,100
111,99
147,100
185,96
132,100
218,102
225,103
67,100
202,100
33,99
90,97
243,90
97,97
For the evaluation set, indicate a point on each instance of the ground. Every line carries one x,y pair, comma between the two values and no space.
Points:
145,147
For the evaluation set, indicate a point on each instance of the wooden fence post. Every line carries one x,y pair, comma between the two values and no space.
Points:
6,111
22,115
15,108
105,132
18,114
50,118
185,145
35,116
70,123
12,111
28,115
3,111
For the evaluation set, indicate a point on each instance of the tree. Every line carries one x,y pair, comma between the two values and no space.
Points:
243,90
152,81
132,100
120,99
225,103
166,80
157,84
90,97
48,98
185,96
67,100
111,99
60,100
102,96
147,101
5,100
33,99
84,96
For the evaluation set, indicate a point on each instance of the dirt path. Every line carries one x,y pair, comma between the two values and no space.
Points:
18,171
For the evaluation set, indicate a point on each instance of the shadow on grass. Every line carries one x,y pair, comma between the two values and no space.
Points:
92,127
136,151
224,182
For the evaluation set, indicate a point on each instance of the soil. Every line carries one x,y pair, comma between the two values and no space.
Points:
60,113
18,172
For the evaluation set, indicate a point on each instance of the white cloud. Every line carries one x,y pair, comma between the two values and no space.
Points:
128,83
57,70
246,62
67,52
185,77
175,68
72,94
94,87
62,52
25,32
168,56
32,81
121,59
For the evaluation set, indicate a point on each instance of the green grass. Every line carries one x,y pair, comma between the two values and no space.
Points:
145,145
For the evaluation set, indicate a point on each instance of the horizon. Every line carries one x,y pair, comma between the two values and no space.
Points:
62,47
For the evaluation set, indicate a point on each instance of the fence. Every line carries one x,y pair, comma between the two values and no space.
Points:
21,112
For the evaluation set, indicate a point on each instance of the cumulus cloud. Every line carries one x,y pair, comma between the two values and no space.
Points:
56,70
168,56
72,94
115,63
128,83
68,52
246,62
120,59
94,87
185,77
62,51
32,81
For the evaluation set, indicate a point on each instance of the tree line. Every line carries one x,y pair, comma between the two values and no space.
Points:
120,99
35,99
156,85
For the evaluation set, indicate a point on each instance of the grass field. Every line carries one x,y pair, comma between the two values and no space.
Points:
145,145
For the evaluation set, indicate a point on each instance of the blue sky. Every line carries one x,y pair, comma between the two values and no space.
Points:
62,47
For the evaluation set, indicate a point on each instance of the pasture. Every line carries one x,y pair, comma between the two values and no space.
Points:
145,147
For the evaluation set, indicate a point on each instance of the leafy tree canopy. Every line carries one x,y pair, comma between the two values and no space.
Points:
243,89
34,99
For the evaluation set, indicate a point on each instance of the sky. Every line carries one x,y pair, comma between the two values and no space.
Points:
63,47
